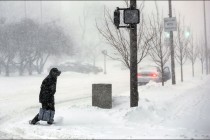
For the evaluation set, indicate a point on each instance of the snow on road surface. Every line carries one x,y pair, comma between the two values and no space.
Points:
180,111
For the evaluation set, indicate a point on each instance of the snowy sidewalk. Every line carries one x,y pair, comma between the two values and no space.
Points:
180,111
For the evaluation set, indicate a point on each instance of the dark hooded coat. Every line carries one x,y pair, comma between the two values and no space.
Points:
48,89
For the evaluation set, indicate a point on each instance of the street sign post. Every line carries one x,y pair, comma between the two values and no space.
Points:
170,24
167,41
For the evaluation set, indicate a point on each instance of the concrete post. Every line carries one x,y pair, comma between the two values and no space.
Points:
102,95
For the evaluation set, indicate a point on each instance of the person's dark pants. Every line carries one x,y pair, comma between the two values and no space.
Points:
47,106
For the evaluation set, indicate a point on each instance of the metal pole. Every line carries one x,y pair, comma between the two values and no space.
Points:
104,63
25,9
208,60
133,62
41,14
172,49
206,50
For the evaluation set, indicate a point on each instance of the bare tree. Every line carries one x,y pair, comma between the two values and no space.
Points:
2,23
28,45
201,53
83,22
8,49
181,43
92,51
118,39
159,52
52,41
192,53
25,36
90,46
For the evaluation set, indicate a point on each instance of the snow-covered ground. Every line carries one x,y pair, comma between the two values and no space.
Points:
180,111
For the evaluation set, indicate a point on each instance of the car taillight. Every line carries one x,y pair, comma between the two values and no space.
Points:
153,75
138,75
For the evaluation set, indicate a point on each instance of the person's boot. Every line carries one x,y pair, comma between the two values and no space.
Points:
32,122
35,120
49,123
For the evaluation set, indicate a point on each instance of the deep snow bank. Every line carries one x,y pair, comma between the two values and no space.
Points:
180,111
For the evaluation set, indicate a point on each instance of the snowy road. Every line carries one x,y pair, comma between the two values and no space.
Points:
180,111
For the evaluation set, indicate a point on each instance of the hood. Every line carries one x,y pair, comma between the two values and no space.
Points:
54,72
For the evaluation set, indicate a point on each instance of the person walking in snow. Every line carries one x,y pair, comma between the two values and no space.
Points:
46,96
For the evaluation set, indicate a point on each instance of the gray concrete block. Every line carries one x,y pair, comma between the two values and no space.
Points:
102,95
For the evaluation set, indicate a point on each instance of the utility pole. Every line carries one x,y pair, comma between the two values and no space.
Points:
172,49
131,17
206,50
133,62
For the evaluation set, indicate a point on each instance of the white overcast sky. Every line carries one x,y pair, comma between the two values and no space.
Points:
69,12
